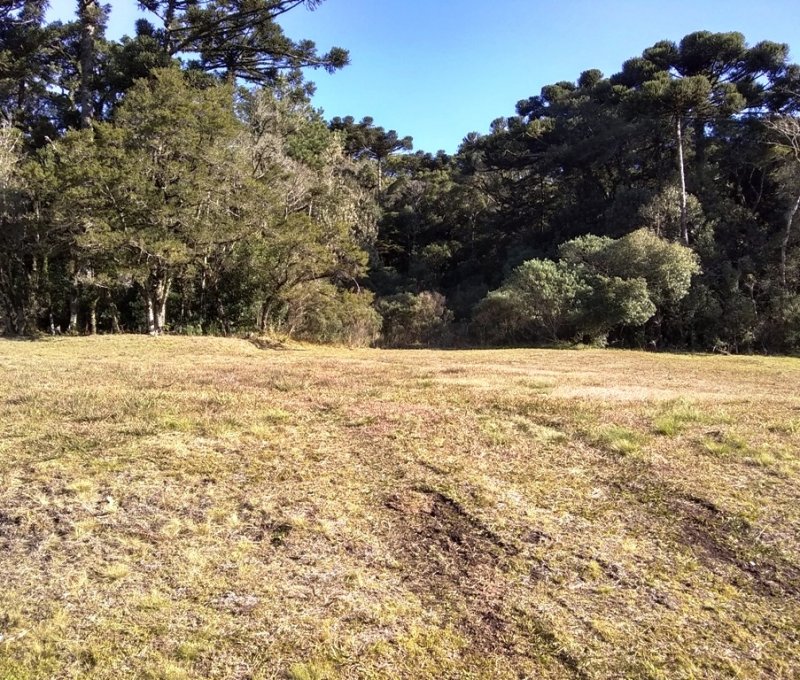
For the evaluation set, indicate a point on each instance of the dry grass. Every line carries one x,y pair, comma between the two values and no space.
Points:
193,508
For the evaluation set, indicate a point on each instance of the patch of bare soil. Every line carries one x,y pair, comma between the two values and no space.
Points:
717,538
458,565
450,557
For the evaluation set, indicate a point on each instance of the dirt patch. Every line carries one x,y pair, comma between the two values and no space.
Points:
462,568
719,538
258,526
449,556
716,537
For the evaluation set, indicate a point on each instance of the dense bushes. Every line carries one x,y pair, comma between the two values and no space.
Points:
411,320
600,285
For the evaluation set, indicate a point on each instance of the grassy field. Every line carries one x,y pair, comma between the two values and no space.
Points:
191,508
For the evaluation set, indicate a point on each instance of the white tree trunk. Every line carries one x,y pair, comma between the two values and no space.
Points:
89,14
682,170
93,317
73,311
786,235
151,317
157,293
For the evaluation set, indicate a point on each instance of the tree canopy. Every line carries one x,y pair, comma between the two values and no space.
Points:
181,179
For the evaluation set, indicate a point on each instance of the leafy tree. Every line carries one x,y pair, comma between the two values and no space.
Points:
323,312
666,267
543,296
283,258
157,200
612,302
668,214
599,285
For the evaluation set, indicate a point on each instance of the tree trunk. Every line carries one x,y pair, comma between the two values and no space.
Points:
74,306
223,319
681,168
93,316
74,296
51,319
112,308
161,311
89,16
786,235
262,317
157,293
169,25
16,296
264,314
11,324
151,316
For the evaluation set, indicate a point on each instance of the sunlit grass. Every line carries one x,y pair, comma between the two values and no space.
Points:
677,416
204,508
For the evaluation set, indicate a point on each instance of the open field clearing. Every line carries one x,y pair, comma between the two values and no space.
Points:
189,508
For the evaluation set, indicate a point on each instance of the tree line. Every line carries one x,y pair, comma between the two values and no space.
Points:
181,180
655,207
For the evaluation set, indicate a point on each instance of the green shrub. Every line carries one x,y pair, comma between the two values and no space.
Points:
414,319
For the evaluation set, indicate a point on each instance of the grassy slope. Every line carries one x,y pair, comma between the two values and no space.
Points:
181,508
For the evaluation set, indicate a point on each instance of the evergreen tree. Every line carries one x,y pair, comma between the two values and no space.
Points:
238,39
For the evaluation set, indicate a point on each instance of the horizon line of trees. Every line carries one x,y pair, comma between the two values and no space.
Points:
181,180
695,142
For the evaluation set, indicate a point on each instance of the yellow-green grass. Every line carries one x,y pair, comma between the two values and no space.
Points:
203,508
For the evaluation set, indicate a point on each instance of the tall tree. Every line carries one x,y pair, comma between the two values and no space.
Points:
163,183
240,39
28,69
699,82
786,133
366,140
90,18
680,100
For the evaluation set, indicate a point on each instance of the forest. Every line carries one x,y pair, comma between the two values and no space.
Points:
180,179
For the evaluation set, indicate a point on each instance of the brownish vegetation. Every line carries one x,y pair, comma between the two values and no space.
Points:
192,508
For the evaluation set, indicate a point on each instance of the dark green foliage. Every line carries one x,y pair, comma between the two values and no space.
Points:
665,267
600,285
411,320
29,69
205,193
18,240
539,300
613,302
183,204
690,142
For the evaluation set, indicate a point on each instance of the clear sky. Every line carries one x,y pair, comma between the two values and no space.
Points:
438,69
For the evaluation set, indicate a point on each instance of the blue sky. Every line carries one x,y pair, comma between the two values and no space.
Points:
438,69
